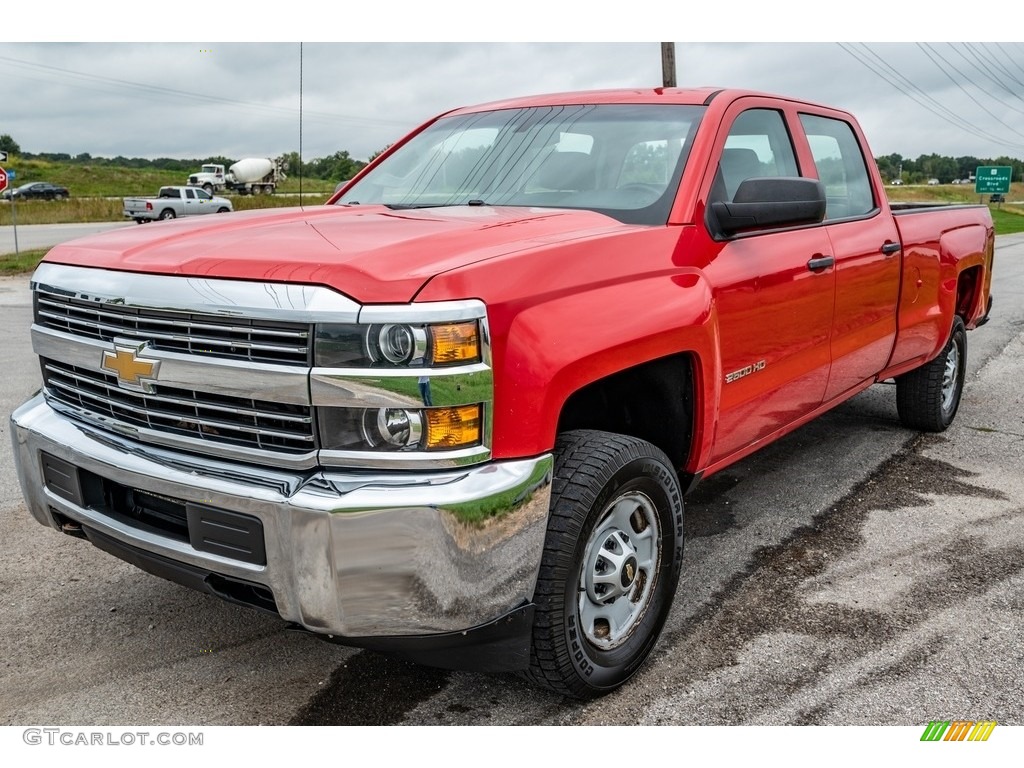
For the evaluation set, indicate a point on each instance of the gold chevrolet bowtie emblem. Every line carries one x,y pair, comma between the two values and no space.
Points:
132,371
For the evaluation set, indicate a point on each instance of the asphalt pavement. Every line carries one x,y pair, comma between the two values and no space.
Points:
48,235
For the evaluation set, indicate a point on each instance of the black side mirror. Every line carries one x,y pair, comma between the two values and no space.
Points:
771,202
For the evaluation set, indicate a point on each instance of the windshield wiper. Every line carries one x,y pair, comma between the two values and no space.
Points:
411,206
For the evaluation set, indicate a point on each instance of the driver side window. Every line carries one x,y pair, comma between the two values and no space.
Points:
758,144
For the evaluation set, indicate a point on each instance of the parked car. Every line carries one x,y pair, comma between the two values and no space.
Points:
38,190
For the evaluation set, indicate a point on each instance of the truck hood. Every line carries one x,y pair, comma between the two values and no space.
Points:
370,253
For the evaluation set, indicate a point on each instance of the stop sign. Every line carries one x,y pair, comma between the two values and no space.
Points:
3,179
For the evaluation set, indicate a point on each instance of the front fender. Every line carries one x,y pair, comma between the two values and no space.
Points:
556,348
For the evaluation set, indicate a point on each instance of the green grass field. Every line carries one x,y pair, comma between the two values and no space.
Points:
96,192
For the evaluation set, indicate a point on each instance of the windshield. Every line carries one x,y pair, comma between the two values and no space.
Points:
623,160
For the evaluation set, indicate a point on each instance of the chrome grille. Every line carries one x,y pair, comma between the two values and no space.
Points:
215,419
259,341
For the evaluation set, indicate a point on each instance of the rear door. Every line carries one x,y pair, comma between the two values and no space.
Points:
188,202
866,246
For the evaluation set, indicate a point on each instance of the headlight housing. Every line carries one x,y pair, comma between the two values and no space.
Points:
404,386
383,345
401,429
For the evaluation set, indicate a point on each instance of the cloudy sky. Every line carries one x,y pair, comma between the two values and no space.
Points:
210,97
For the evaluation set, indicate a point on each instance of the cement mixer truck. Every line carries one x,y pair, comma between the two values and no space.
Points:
249,176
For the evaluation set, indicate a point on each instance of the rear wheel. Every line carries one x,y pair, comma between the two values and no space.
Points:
928,397
611,563
166,213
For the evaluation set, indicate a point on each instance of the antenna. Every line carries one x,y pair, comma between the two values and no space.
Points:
300,125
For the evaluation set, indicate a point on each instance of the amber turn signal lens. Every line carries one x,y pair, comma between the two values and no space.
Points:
453,427
455,343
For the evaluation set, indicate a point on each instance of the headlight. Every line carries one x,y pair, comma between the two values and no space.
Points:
404,386
401,429
397,345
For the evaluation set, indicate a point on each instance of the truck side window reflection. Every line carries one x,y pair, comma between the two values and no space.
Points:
758,144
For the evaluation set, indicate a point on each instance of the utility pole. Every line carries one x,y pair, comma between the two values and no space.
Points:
668,65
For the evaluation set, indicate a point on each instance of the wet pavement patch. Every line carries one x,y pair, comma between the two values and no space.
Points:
370,689
705,514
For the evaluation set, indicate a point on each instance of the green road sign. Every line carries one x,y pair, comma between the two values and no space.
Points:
990,179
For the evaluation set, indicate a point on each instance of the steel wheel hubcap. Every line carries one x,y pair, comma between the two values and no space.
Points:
949,377
620,565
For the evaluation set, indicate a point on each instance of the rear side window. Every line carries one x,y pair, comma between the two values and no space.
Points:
841,166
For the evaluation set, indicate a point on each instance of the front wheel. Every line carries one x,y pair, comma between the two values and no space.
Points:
928,397
611,563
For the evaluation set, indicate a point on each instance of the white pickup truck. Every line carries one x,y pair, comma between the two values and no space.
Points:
172,202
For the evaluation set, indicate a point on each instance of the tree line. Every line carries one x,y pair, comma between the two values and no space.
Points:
336,167
945,169
340,165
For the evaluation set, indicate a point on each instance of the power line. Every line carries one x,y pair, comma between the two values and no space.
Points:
909,89
1009,57
994,63
929,51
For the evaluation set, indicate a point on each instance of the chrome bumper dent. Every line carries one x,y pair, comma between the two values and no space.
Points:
356,554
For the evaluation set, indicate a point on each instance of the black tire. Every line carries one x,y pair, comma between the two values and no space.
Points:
59,196
166,213
222,209
928,397
613,497
208,188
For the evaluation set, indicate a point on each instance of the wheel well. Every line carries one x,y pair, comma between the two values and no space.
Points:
967,292
652,401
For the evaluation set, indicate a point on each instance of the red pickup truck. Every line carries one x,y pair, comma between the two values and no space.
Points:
452,414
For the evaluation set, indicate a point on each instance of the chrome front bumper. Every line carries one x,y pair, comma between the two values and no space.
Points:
354,554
